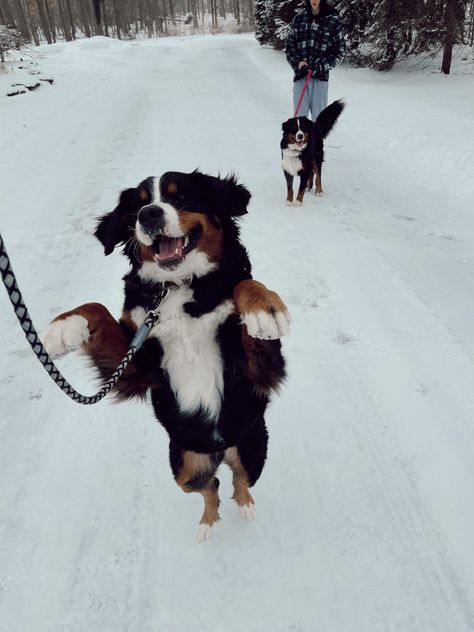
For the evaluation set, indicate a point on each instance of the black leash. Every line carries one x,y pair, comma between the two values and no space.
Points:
22,314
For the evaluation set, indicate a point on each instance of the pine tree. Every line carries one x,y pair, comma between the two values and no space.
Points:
355,16
284,16
380,32
265,25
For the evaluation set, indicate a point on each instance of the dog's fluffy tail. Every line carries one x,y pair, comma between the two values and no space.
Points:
328,117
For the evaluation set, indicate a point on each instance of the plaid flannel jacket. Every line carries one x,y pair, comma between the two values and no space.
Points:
320,42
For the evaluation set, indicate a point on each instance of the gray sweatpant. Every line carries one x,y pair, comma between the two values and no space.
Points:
315,97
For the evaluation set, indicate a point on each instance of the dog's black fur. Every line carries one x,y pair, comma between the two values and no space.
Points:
302,149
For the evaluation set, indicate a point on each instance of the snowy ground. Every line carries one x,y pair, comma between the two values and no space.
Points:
364,511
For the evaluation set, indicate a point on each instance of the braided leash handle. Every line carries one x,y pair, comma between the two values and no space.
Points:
38,348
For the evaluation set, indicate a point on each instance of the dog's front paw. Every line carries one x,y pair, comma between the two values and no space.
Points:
64,335
298,203
262,311
288,203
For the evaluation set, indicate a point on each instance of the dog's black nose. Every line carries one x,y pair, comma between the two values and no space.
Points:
152,218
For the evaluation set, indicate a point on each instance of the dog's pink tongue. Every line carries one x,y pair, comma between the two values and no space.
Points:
170,247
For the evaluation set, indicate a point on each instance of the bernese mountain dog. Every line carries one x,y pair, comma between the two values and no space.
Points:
302,150
214,358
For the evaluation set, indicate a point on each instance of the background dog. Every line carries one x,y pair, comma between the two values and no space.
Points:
302,150
214,358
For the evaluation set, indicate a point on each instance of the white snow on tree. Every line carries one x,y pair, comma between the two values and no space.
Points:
10,39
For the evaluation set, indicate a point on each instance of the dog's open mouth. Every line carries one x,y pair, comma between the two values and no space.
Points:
170,251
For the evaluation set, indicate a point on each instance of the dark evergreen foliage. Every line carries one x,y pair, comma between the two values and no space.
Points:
378,32
265,25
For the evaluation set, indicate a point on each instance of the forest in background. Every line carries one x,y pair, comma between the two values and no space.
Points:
41,21
378,32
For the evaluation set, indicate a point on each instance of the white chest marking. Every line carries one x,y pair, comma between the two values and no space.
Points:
191,353
291,162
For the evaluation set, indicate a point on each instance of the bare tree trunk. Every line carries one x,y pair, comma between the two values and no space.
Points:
116,18
142,21
84,16
214,13
194,11
165,15
237,10
155,16
105,22
63,23
470,36
71,19
31,24
44,22
98,14
450,23
172,12
52,25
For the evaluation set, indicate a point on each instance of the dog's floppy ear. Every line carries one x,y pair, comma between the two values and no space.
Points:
224,196
112,227
285,125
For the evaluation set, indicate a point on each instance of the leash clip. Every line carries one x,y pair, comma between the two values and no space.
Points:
154,314
152,318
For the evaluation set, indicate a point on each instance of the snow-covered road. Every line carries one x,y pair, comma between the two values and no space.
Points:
364,510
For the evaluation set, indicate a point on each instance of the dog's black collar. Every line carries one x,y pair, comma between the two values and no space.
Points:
161,292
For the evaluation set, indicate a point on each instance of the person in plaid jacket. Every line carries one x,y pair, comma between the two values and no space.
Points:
315,42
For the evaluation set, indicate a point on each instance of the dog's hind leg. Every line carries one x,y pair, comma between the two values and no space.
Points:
317,164
318,167
246,460
242,496
195,472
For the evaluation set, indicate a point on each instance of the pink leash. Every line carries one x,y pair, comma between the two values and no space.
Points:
310,72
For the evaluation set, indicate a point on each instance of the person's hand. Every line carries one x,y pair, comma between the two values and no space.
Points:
302,71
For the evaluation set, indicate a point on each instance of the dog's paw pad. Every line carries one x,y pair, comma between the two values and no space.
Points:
248,512
267,325
62,336
204,532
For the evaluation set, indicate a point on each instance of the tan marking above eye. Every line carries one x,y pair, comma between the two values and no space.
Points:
143,195
172,188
